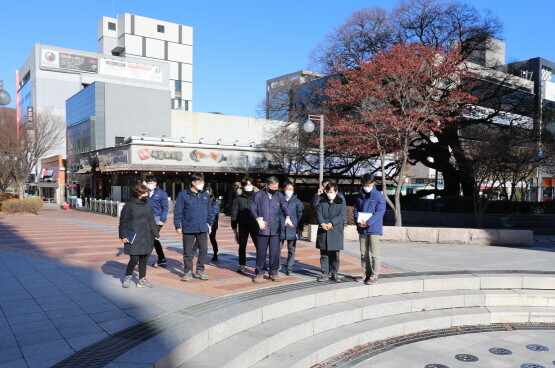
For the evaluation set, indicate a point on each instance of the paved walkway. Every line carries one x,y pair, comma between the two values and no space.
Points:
61,277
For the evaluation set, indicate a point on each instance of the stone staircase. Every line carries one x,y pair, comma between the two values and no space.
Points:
301,328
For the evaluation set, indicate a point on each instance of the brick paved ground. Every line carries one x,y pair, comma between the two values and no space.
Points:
90,241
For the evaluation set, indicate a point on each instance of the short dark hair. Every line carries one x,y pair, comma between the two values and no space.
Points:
150,178
367,179
138,190
325,180
197,176
246,180
288,182
272,180
332,185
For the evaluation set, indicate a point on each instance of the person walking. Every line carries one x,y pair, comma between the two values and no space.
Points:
158,201
368,212
137,222
215,207
290,234
329,239
192,218
266,207
242,222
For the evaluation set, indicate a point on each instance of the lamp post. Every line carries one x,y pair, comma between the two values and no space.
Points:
5,97
309,127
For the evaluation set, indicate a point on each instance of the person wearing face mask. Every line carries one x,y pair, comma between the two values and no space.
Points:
368,212
192,218
137,218
321,195
287,233
158,201
242,222
329,239
266,207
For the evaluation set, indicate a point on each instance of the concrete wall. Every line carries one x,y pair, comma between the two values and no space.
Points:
431,235
135,111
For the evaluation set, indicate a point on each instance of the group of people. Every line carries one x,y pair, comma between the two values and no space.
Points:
272,218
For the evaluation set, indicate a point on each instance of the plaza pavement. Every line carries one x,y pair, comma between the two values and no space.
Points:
61,279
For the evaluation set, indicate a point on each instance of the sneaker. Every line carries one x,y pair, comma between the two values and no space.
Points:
288,272
275,278
336,278
127,282
323,278
143,283
372,280
188,275
215,258
242,269
201,275
258,278
160,263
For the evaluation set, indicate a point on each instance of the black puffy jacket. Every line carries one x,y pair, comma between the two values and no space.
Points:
137,216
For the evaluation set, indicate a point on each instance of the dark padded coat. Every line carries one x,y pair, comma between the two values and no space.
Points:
333,212
136,215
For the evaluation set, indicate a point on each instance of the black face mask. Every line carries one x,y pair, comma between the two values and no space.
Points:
248,194
272,191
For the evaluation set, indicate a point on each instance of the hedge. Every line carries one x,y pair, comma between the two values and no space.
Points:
5,197
22,205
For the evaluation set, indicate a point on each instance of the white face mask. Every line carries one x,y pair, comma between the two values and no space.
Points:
151,186
367,189
288,193
200,187
248,188
331,196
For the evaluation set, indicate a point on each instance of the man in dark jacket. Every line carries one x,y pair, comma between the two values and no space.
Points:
266,207
158,200
242,220
192,216
368,212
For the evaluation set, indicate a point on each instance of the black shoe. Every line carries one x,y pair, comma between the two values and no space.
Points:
288,272
215,258
336,278
160,263
242,269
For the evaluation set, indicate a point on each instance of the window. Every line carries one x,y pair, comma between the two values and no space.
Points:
161,28
111,26
119,140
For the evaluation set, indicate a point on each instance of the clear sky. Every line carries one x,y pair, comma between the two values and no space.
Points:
238,44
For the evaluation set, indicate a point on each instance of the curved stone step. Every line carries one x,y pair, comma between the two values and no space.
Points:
317,348
249,346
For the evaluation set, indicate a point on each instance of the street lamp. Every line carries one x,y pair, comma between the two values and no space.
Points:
5,97
309,128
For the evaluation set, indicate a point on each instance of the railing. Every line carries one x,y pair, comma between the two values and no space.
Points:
104,207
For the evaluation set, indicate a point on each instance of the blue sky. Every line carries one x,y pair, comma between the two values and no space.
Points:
238,44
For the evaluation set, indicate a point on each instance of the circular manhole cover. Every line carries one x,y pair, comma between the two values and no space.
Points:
466,357
500,351
435,365
536,347
531,365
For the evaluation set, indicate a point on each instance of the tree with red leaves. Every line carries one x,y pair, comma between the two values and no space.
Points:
381,107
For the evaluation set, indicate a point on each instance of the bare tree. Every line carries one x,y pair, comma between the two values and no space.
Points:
7,146
289,149
35,141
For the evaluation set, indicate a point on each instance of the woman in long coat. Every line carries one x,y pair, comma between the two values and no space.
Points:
331,218
137,219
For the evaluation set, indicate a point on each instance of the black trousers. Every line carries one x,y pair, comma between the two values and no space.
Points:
244,232
263,244
188,253
329,261
291,246
213,241
133,260
158,246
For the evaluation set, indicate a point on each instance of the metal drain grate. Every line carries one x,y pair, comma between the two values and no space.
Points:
500,351
466,357
536,347
531,365
435,366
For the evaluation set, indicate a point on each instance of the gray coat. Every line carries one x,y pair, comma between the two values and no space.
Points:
334,212
137,216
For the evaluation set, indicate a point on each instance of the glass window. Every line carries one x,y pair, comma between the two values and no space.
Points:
111,26
161,28
119,140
